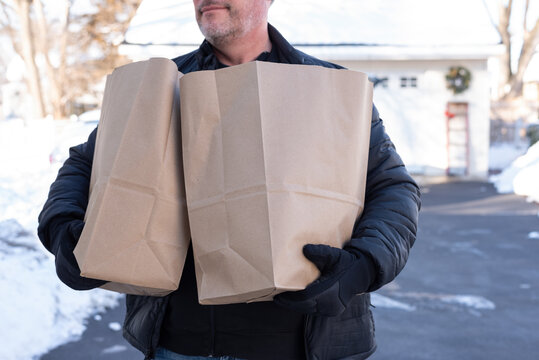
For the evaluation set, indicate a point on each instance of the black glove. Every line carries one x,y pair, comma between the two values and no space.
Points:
343,275
67,235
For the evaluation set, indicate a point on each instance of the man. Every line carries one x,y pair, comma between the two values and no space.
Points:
330,319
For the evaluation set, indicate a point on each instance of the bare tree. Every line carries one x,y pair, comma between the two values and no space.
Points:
102,32
56,86
24,46
512,78
54,75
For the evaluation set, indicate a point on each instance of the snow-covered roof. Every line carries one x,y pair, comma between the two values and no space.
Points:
350,28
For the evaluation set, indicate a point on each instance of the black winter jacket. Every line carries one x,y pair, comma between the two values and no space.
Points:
385,232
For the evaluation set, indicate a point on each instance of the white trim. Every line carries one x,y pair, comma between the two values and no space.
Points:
403,52
342,53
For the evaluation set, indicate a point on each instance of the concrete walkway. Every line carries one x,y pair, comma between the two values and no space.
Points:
470,289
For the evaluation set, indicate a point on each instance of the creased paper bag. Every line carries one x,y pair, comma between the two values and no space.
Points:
136,233
275,157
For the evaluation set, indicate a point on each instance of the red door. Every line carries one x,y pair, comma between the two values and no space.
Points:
457,138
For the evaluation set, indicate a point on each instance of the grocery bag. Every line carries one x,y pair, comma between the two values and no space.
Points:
136,232
275,157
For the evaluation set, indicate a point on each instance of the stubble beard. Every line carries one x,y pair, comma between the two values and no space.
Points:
234,27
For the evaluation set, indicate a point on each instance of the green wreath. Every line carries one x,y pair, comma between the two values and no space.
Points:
458,79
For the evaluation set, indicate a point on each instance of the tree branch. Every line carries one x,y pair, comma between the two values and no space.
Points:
491,18
503,28
531,41
55,90
525,25
7,21
503,21
8,25
5,6
63,48
28,55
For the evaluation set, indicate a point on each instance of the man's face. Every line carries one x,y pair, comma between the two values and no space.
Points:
222,21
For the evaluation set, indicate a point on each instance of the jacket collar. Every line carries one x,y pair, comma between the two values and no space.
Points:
287,53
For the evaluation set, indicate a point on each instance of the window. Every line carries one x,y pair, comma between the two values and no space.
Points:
379,81
408,82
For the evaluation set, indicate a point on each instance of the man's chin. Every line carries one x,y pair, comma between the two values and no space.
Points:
214,18
217,35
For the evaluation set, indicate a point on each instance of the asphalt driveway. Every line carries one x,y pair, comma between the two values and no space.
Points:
470,289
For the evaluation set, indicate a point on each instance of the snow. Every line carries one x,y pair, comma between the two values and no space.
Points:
39,312
115,326
520,177
471,301
114,349
385,302
503,154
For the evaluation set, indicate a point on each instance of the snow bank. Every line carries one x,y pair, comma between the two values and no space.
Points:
501,156
24,148
38,311
521,176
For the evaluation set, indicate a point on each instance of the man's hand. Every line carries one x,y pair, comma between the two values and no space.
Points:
343,275
67,267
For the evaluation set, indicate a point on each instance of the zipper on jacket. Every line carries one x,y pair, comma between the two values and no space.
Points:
212,331
306,325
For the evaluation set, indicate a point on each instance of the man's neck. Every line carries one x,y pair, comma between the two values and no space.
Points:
245,49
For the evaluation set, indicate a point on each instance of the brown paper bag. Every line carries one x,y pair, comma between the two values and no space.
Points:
136,233
275,157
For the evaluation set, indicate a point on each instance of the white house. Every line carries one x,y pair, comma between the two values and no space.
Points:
406,47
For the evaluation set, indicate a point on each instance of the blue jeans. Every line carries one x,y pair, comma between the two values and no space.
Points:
164,354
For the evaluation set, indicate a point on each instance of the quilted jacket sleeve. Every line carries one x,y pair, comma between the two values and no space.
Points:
61,220
387,228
